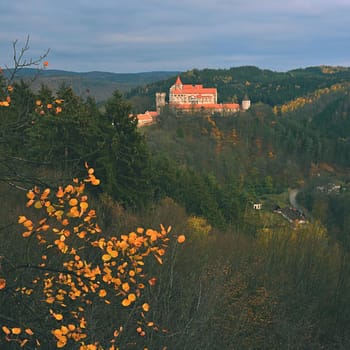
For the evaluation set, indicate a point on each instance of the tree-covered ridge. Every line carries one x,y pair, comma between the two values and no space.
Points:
261,85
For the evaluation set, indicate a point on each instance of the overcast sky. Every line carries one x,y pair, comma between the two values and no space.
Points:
124,36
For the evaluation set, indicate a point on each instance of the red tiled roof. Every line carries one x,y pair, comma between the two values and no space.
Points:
194,89
144,118
206,106
178,81
191,89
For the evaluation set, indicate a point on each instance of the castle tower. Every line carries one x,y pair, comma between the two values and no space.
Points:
178,83
245,103
160,101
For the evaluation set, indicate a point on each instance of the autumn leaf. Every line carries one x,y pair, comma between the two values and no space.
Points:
29,331
102,293
6,330
181,239
16,330
126,302
58,317
145,307
106,257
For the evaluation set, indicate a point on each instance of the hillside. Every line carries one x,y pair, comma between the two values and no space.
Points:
239,270
257,155
261,85
99,85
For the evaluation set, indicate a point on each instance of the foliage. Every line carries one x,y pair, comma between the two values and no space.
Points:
74,270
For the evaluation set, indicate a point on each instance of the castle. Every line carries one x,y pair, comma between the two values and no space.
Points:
189,98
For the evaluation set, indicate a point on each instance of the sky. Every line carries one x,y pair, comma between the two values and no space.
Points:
130,36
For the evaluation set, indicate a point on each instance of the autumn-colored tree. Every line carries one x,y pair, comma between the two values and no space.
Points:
74,280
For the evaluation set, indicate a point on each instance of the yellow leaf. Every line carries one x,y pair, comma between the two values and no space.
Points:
106,257
50,209
37,205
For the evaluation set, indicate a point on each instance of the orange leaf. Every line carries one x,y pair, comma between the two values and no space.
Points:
73,202
102,293
145,307
84,205
126,302
181,239
2,283
152,281
21,219
6,330
132,297
29,331
126,287
30,195
23,342
16,330
50,300
58,317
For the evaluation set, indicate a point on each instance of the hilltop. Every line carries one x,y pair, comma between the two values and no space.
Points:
99,85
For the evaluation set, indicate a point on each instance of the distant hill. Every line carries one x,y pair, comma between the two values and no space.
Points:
100,85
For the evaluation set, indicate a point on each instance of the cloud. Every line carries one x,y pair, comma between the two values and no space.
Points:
137,35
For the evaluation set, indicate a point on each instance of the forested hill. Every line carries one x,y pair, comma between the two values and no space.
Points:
261,85
99,85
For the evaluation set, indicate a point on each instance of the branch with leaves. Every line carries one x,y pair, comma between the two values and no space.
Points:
76,269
